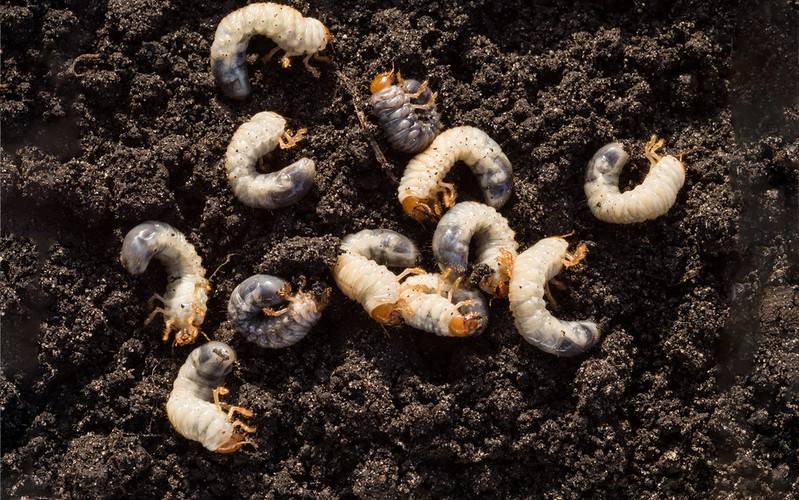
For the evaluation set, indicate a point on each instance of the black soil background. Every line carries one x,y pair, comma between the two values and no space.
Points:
692,391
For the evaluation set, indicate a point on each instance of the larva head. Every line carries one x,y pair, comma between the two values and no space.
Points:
386,314
186,335
418,210
382,81
233,443
465,325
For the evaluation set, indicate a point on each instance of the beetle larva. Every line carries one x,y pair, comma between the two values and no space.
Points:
294,34
190,409
260,135
407,111
361,273
495,244
422,181
186,293
431,304
532,270
649,200
251,314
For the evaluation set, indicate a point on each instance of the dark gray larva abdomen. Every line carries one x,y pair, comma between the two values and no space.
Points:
408,129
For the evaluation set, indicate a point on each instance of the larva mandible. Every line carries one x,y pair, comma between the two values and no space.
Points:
255,138
649,200
422,181
190,409
532,270
251,314
407,111
495,244
433,304
293,33
186,293
361,273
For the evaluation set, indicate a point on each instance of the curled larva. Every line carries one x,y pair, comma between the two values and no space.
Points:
532,270
251,314
294,34
422,181
190,408
650,199
184,301
434,305
361,273
407,111
495,244
260,135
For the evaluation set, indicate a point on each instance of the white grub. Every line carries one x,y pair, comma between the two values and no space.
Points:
251,314
649,200
495,244
361,273
260,135
186,293
193,407
422,181
435,305
532,270
293,33
407,111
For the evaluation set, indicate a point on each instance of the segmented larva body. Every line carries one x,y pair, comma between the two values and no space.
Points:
251,314
260,135
650,199
532,270
361,273
423,178
186,292
431,304
407,112
193,407
495,244
294,34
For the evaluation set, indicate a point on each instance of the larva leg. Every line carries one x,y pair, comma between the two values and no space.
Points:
419,91
651,147
574,259
288,140
270,55
168,329
429,104
151,300
448,193
155,312
305,60
409,271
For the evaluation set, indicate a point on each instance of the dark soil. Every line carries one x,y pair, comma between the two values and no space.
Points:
692,391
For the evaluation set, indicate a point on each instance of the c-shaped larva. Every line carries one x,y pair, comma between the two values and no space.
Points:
184,301
291,32
423,178
650,199
407,111
260,135
361,273
251,314
438,306
532,270
495,244
190,409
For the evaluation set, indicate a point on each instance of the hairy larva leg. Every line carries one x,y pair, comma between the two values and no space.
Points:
271,54
431,102
168,328
409,271
288,140
268,311
419,91
305,60
322,59
651,147
151,300
574,259
156,312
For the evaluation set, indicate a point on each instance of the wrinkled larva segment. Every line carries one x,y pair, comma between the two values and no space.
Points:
294,34
495,244
439,306
260,135
649,200
251,314
186,292
193,407
361,273
422,181
407,112
532,270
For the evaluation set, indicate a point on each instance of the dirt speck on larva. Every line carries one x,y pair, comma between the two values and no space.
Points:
690,391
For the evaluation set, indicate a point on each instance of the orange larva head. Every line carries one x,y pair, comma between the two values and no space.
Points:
463,326
418,210
382,81
234,443
386,314
186,335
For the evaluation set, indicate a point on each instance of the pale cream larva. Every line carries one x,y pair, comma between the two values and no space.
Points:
432,304
186,293
293,33
650,199
260,135
361,273
532,270
422,182
193,407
